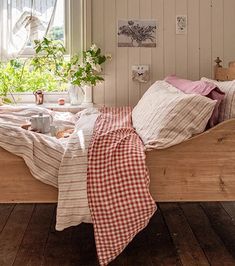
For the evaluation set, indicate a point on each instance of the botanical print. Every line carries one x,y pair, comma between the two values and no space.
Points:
181,24
137,33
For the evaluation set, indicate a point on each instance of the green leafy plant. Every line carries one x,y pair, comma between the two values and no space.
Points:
19,75
49,71
86,70
42,71
49,56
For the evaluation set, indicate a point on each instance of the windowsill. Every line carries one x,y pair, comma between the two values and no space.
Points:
50,101
49,97
60,108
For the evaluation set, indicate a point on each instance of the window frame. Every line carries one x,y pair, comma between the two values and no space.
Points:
29,52
78,38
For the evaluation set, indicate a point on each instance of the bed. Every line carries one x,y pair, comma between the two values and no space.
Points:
199,169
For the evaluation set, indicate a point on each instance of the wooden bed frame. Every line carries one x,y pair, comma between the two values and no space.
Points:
199,169
222,73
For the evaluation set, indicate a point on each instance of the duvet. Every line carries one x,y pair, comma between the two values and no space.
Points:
99,170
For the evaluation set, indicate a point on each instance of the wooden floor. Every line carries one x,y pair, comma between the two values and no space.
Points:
178,234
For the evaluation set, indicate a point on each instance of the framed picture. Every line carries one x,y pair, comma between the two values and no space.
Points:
181,24
137,33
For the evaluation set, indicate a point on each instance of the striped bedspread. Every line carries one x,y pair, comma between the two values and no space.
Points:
54,161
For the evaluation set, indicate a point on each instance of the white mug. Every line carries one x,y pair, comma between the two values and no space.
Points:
41,123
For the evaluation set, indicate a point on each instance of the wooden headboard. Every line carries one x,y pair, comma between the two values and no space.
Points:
223,74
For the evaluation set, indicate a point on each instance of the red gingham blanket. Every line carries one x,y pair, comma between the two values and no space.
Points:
118,183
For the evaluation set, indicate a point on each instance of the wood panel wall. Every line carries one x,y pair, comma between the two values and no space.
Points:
211,33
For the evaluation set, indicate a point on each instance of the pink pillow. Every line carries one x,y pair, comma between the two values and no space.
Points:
204,88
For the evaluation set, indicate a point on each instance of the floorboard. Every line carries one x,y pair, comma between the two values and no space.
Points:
138,251
230,209
188,248
222,223
182,234
160,243
86,247
32,248
5,211
13,233
58,249
210,242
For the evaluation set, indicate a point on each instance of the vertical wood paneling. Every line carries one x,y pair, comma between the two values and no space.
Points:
205,38
122,60
134,55
98,38
193,39
145,53
229,31
157,62
110,47
181,43
217,30
211,33
169,37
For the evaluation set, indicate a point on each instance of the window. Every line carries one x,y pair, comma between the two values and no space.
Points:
69,24
27,20
57,31
46,12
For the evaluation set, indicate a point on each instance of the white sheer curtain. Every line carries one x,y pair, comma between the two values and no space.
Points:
22,21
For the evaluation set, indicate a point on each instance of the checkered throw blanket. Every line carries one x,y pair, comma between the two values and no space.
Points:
118,183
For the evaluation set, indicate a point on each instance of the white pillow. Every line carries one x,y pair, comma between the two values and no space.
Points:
227,106
165,116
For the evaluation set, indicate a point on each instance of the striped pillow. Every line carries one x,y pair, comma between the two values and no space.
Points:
165,116
227,107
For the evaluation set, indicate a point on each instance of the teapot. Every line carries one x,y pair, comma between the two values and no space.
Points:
41,123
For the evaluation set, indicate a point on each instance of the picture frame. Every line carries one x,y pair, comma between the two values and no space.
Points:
181,24
137,33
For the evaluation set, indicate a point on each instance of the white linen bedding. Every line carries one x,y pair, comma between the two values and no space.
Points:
165,116
58,162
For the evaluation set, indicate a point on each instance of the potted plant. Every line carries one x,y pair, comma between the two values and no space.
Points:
84,73
81,72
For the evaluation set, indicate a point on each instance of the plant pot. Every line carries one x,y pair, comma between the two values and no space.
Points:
76,94
87,94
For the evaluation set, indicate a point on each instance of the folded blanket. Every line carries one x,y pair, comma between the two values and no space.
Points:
118,183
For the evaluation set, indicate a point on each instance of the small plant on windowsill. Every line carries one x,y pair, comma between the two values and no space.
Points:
85,71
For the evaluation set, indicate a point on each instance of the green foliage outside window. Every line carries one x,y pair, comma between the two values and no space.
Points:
49,71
